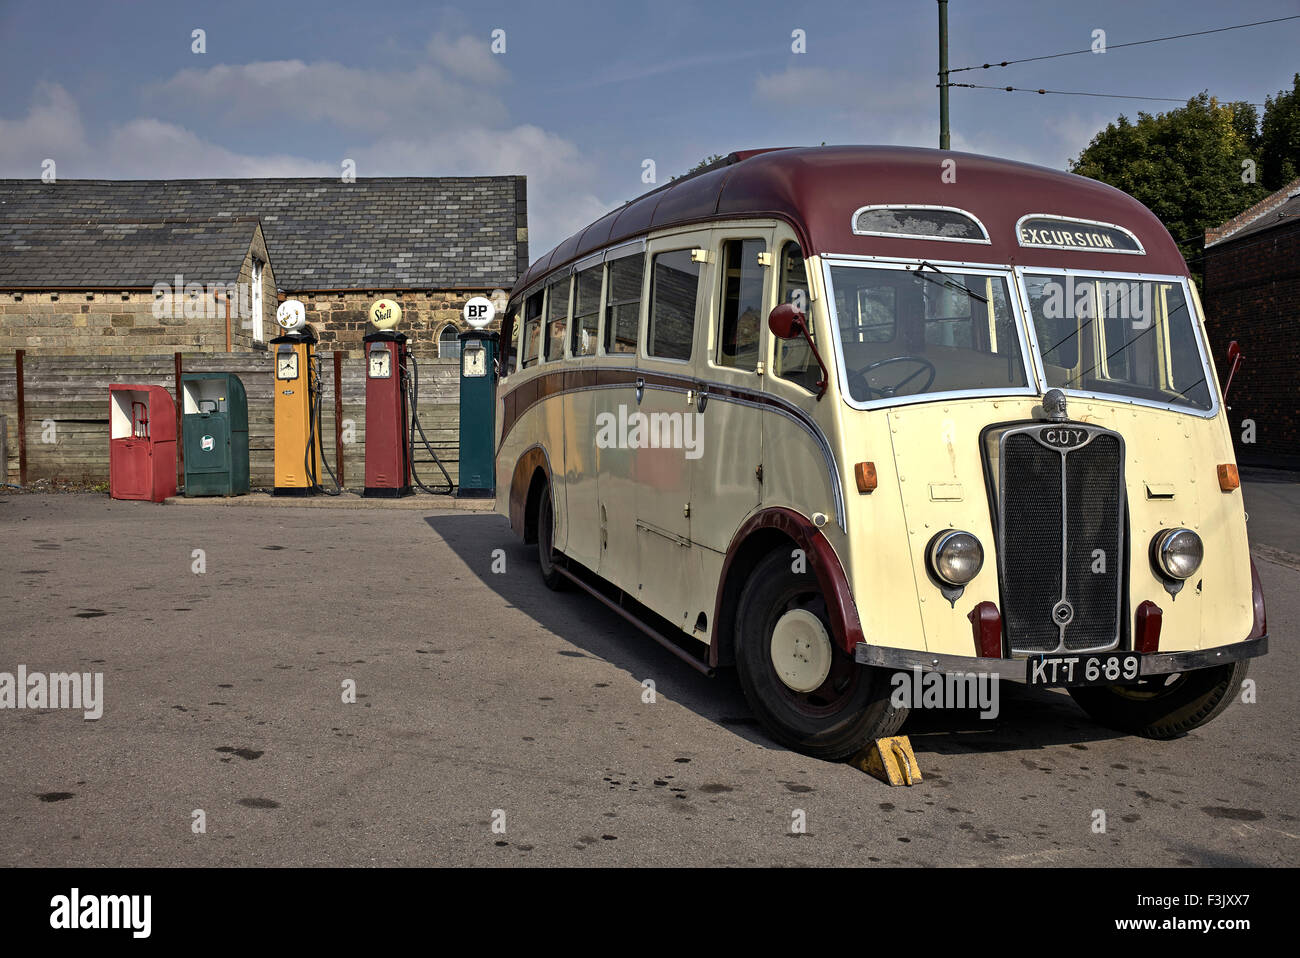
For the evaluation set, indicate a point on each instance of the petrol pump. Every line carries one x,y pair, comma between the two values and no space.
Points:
478,402
388,448
298,457
392,410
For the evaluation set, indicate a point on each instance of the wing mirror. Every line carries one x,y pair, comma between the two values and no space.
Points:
1234,360
788,322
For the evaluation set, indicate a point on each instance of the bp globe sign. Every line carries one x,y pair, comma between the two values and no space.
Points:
479,311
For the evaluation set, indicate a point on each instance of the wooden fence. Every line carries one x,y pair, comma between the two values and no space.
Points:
64,411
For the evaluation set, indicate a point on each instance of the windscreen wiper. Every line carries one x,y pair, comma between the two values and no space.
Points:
948,282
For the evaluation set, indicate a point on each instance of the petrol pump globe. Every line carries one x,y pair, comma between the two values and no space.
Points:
291,315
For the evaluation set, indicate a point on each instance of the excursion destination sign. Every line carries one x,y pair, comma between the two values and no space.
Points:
1045,232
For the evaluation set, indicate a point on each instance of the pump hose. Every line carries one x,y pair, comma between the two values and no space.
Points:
413,392
314,417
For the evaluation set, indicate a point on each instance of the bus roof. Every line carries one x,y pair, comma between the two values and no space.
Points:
817,189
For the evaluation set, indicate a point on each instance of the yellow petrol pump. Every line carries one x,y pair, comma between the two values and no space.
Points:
298,459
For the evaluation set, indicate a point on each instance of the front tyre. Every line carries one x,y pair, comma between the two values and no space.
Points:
1164,706
809,694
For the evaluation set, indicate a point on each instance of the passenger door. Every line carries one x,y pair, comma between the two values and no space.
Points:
664,412
726,463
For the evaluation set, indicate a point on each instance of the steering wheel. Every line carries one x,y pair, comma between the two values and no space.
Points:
886,392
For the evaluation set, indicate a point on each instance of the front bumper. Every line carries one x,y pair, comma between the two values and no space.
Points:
1159,663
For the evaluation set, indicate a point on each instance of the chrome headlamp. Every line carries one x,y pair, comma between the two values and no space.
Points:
1177,553
954,557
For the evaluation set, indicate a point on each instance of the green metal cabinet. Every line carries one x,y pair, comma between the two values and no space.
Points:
214,426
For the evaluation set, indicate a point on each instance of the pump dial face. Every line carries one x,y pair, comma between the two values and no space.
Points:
380,364
286,366
474,362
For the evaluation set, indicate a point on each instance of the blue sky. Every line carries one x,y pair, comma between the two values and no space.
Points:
585,92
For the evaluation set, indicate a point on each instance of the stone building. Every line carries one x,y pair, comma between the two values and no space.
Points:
1252,295
93,267
96,288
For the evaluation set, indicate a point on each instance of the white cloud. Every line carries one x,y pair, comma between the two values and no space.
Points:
450,87
51,129
468,57
151,149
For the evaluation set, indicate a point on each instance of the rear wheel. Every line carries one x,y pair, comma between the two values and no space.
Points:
1164,706
546,542
809,694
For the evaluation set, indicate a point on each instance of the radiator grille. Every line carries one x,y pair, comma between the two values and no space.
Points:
1061,541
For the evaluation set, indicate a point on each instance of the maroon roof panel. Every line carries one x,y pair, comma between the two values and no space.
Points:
699,201
597,234
818,189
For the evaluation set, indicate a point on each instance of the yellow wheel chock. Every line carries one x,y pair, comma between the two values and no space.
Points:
889,759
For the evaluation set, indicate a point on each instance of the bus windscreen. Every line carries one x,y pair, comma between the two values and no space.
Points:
1126,337
905,332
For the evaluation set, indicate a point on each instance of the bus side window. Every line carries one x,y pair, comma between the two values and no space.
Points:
586,311
623,303
794,360
742,304
557,317
531,336
674,289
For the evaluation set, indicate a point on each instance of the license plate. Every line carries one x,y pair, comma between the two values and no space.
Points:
1110,668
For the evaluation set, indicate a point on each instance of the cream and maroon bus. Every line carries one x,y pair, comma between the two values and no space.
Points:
827,414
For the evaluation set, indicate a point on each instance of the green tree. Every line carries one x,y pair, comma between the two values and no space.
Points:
1185,165
1279,146
707,161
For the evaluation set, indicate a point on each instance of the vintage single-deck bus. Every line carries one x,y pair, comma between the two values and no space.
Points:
827,414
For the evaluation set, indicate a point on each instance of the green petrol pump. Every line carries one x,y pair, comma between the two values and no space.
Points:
478,401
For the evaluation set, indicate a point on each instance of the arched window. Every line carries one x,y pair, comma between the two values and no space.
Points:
448,344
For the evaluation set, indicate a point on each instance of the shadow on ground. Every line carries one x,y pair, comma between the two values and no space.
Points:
1027,718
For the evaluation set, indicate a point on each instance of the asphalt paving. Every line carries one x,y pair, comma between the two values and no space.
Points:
497,723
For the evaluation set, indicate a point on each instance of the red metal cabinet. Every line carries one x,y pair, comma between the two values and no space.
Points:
141,443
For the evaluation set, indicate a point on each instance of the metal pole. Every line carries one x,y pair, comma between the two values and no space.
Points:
944,138
338,414
22,417
180,422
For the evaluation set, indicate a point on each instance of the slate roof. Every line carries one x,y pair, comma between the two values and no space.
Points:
122,253
322,233
1287,213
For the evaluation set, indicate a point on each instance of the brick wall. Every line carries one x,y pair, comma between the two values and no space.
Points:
1252,295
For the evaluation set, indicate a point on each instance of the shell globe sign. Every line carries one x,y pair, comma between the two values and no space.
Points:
385,314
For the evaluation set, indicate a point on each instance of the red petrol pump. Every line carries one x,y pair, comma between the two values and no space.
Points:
388,450
392,410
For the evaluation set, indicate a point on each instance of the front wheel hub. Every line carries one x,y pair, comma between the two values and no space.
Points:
801,650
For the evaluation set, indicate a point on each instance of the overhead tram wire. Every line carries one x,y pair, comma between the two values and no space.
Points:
1112,96
1117,46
